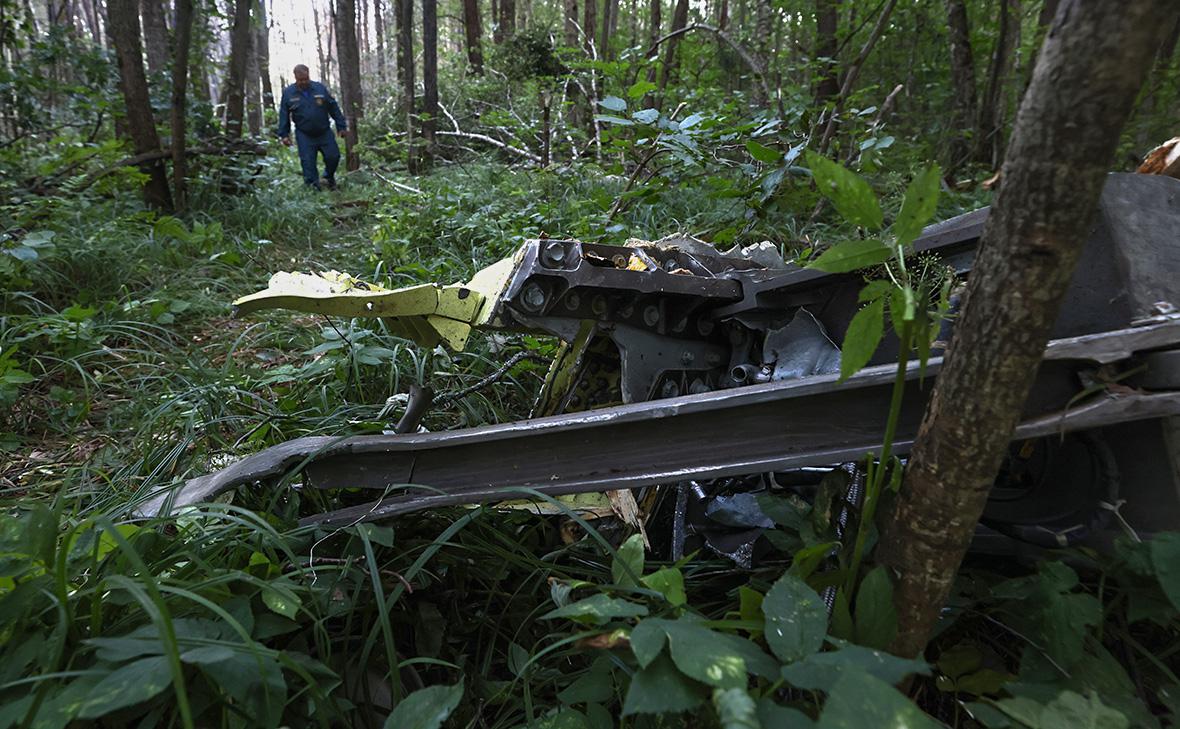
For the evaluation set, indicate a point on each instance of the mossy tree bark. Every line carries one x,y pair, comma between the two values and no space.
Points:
1095,59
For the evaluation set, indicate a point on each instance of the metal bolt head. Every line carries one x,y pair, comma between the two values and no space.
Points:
598,306
670,389
553,254
533,297
572,301
651,315
686,358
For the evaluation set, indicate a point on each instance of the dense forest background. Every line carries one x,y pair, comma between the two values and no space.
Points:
142,189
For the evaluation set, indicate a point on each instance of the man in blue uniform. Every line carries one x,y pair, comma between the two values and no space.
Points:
308,104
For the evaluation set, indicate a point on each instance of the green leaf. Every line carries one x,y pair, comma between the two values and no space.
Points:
281,599
659,688
849,192
426,708
774,716
627,566
647,640
918,205
796,620
639,88
597,610
852,255
593,686
613,103
874,290
762,153
821,671
876,618
841,625
127,685
735,709
861,340
646,116
669,582
859,701
1068,710
1165,557
207,654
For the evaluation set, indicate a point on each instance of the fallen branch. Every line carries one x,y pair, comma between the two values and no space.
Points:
397,184
484,138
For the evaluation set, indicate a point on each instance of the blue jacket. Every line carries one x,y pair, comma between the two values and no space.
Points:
310,110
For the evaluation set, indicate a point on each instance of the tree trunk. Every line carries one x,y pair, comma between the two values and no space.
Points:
679,22
235,77
827,24
253,77
183,37
379,31
155,36
853,72
321,55
124,30
1090,70
474,34
589,23
963,84
610,20
405,67
507,21
989,133
429,76
344,19
571,23
262,43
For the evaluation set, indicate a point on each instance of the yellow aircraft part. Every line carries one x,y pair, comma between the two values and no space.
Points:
427,314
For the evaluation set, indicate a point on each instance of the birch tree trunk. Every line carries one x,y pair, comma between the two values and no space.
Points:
1094,62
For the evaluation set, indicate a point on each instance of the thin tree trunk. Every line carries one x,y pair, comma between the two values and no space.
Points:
405,63
853,72
262,42
497,23
962,82
827,24
155,36
321,55
589,23
473,31
679,22
571,23
430,109
507,20
183,37
124,30
610,21
344,18
379,31
235,77
1090,70
253,79
989,133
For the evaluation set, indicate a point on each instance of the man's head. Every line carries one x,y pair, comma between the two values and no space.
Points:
302,76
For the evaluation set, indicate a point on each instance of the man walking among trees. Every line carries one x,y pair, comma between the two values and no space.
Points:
310,107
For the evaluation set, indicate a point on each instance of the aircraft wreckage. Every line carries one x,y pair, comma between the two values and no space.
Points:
716,374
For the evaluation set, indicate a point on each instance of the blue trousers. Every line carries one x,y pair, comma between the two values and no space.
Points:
309,145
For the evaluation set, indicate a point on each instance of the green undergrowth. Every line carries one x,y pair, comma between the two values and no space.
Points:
122,372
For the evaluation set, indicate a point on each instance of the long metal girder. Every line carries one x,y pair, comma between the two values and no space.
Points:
759,428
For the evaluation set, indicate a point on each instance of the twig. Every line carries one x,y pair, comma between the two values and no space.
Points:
853,72
290,566
397,184
485,138
741,50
